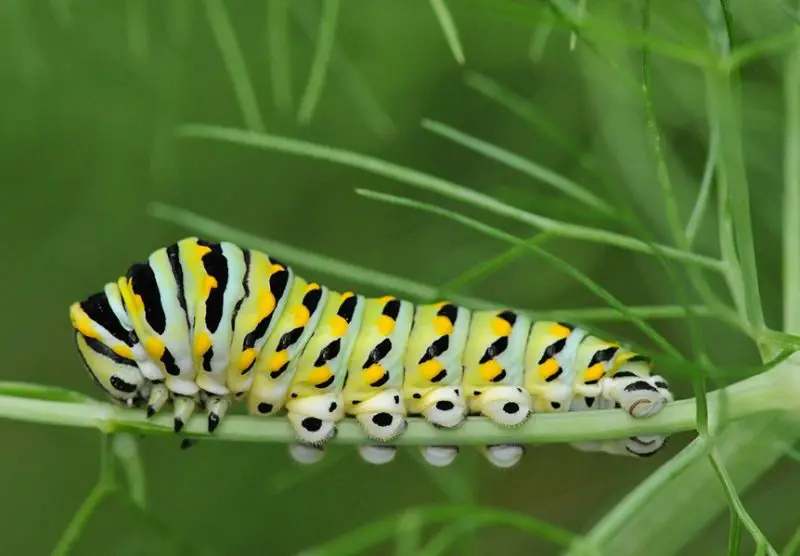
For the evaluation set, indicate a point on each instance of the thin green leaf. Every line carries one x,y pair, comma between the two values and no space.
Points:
565,267
579,15
731,167
319,66
755,50
792,548
104,487
62,12
485,268
791,200
528,167
734,534
348,75
703,196
780,340
736,504
445,19
408,535
525,110
232,57
40,392
136,24
280,58
356,542
441,186
540,35
126,449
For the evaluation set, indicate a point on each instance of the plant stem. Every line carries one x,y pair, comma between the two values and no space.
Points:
776,390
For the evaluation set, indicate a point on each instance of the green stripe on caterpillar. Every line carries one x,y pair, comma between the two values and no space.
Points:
202,325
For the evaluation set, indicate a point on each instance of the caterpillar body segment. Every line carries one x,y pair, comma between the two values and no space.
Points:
315,400
373,390
203,324
494,367
432,384
268,286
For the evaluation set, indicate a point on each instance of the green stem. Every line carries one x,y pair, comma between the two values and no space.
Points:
776,390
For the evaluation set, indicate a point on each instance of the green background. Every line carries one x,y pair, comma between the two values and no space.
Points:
90,96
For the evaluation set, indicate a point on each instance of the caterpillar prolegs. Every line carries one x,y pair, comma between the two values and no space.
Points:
201,325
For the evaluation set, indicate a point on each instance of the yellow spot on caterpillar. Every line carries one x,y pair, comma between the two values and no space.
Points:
347,295
301,315
385,325
430,369
209,283
559,330
266,304
138,303
373,373
320,375
442,326
201,250
202,341
123,351
246,358
490,370
312,286
548,368
338,326
595,372
501,327
82,323
154,347
386,298
273,268
278,360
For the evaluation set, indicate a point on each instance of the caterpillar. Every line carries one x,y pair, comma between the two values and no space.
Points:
201,325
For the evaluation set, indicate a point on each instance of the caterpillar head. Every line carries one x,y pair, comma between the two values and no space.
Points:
508,406
382,416
314,418
445,407
118,377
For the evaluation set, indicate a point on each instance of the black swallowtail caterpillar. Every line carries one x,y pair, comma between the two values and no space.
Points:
202,324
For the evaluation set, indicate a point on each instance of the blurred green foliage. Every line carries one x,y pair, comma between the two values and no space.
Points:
91,94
